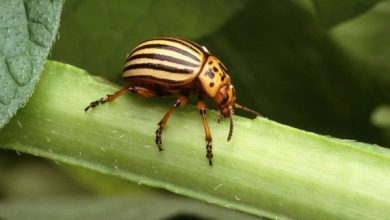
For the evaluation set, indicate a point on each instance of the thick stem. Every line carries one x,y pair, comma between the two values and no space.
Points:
267,169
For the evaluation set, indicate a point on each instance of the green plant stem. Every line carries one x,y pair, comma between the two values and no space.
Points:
267,169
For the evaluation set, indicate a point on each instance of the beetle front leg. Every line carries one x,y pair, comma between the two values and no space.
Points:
181,101
209,146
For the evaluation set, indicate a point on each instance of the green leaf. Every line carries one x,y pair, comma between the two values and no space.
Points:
145,207
102,184
333,12
367,39
307,5
381,118
119,27
267,169
23,177
27,32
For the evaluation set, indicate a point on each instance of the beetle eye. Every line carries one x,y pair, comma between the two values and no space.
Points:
224,99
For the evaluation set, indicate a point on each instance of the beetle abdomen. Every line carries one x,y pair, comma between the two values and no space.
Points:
165,61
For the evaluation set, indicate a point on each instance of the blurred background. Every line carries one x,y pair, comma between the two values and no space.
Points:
317,65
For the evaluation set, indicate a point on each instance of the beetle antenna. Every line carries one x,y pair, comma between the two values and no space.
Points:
247,109
231,128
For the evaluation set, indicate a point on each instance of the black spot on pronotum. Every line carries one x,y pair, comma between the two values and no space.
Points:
223,77
215,69
211,84
210,62
210,74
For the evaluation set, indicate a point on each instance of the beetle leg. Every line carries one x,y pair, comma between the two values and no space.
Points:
109,98
141,91
181,101
209,146
144,92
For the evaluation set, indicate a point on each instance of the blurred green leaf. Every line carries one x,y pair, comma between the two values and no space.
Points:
306,5
27,32
267,169
287,67
100,184
106,32
28,177
333,12
367,39
145,207
381,116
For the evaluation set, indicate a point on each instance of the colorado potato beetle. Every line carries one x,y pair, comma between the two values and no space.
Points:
174,66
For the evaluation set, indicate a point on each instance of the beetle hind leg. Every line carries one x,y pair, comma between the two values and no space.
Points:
181,101
108,98
141,91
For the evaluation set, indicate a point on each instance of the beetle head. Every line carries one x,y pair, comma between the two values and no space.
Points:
225,99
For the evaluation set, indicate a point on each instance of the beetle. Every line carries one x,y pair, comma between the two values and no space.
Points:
174,66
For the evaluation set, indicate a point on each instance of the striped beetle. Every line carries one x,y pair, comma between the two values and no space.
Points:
174,66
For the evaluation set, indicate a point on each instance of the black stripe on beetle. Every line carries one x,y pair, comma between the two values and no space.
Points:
197,46
193,47
168,47
159,67
162,58
154,78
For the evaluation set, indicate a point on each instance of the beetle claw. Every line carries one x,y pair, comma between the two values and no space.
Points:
95,103
220,117
209,155
158,138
